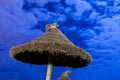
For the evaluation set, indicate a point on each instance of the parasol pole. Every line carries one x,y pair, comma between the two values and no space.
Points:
49,69
50,60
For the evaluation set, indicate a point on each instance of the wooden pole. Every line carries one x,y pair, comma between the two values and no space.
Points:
49,69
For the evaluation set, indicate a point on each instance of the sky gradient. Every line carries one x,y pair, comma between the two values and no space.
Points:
93,25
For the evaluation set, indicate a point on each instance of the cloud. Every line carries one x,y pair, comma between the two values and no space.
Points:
116,3
104,46
110,27
46,14
101,3
80,7
91,25
98,30
80,17
49,16
28,5
15,23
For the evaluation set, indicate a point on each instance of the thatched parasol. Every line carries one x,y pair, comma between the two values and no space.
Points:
65,76
52,48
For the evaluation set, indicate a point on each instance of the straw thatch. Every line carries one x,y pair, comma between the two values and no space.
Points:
53,43
65,76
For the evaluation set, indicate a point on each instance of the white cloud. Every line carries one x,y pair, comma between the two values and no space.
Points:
88,33
15,24
108,41
116,2
8,4
101,3
80,7
73,28
94,15
111,24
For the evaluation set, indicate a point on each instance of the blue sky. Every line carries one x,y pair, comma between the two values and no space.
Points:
93,25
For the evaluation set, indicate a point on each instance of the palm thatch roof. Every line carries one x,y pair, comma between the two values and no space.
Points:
55,44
